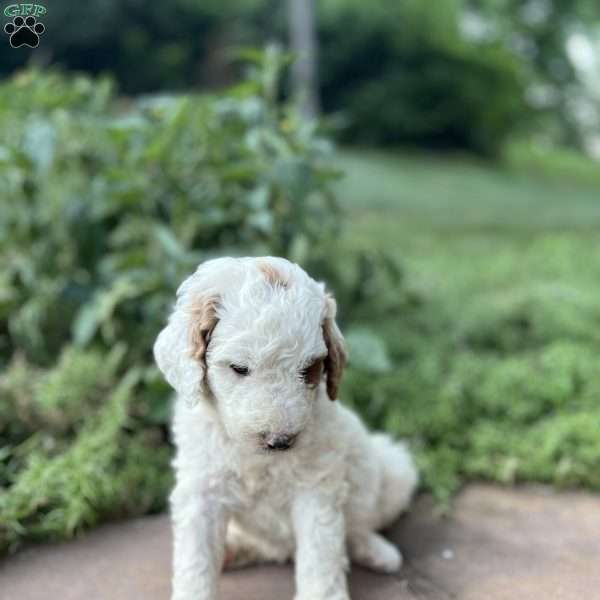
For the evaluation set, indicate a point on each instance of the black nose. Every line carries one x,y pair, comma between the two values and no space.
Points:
280,441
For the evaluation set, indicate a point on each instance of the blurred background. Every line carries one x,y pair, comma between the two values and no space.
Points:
437,163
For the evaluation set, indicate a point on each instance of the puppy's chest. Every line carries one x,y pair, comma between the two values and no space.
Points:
265,503
269,485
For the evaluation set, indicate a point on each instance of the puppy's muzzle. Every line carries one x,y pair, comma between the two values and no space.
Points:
278,441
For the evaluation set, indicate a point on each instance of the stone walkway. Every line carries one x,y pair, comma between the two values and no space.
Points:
498,544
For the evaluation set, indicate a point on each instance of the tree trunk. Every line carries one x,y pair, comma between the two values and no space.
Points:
303,42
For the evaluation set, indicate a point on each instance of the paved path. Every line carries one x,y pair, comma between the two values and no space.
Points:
524,544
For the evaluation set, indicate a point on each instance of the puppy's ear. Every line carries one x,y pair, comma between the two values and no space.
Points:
203,319
180,349
336,349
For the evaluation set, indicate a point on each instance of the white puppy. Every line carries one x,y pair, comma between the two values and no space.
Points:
268,467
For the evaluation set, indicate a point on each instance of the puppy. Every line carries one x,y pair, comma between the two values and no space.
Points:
268,467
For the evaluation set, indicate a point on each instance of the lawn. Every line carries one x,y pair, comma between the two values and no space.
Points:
468,228
496,360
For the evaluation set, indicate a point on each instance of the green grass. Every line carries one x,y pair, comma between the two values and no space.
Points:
495,372
462,193
468,227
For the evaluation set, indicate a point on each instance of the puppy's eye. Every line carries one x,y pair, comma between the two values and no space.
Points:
311,375
240,370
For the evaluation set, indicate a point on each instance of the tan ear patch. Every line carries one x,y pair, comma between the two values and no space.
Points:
272,275
336,350
203,319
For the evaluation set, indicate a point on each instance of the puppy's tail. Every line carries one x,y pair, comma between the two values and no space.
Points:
400,477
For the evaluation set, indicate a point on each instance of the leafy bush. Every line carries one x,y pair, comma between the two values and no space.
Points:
103,208
106,207
402,74
502,394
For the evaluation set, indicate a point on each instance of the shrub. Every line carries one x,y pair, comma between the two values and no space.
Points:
400,77
103,207
500,389
106,206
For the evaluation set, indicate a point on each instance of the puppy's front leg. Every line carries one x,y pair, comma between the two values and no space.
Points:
199,526
321,559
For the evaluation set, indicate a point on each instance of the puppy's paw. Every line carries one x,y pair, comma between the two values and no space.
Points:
388,558
376,553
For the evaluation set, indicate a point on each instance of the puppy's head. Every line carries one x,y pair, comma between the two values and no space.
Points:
256,337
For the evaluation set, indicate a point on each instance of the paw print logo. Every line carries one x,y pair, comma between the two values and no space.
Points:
24,32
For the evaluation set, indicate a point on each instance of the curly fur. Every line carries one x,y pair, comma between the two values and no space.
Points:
238,501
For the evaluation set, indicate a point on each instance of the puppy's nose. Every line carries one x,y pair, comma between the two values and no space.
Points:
280,441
